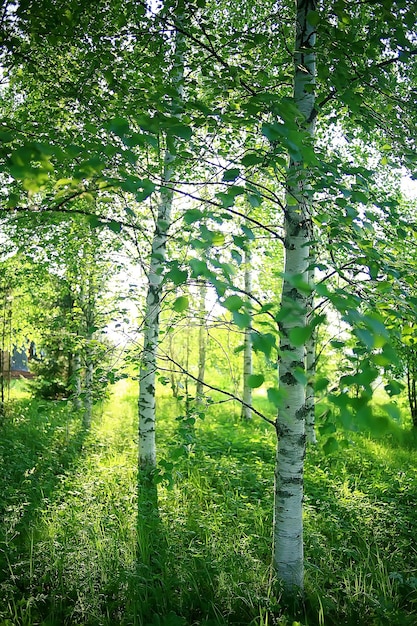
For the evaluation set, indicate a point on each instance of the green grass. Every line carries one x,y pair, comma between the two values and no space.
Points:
73,549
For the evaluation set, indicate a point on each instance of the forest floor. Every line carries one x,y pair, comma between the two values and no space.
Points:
72,550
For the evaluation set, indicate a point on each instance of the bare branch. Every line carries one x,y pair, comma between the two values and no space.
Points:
213,388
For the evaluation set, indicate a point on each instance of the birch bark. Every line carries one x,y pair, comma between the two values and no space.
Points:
202,344
247,343
76,374
288,555
146,402
310,403
88,306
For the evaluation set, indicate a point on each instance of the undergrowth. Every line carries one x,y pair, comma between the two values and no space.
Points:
72,550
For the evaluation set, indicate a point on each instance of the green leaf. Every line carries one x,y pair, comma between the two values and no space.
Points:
180,304
199,268
393,411
321,384
275,396
217,238
181,130
300,334
228,199
299,282
242,320
94,221
330,446
230,175
141,139
359,196
177,276
251,159
114,226
193,215
373,270
255,200
365,336
233,303
394,388
119,126
236,256
300,376
248,233
263,342
337,344
327,428
313,18
255,380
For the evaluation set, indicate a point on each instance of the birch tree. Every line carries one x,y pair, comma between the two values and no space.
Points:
202,342
288,530
247,345
310,359
147,400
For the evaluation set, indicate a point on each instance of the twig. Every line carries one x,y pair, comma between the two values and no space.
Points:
232,396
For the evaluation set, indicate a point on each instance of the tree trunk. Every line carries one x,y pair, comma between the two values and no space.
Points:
76,381
310,397
146,402
147,446
311,362
202,344
247,352
88,385
89,315
411,386
288,556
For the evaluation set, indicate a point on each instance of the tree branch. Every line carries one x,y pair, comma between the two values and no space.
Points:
213,388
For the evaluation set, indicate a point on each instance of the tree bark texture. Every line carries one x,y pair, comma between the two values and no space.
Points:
76,380
89,315
288,558
411,386
146,403
310,403
247,347
202,344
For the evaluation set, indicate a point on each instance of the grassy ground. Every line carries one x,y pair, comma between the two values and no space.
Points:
69,523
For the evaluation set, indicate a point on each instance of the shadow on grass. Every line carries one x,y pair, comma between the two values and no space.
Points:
151,546
39,442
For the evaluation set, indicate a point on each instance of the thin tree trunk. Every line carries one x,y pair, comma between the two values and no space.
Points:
412,387
288,555
202,344
247,352
311,362
76,381
187,367
89,355
310,404
88,385
146,402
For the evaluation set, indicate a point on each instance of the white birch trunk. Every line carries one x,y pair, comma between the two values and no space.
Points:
202,344
310,397
288,555
310,404
88,385
247,352
147,445
77,381
146,402
89,354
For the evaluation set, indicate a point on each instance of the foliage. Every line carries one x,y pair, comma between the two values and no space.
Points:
87,115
